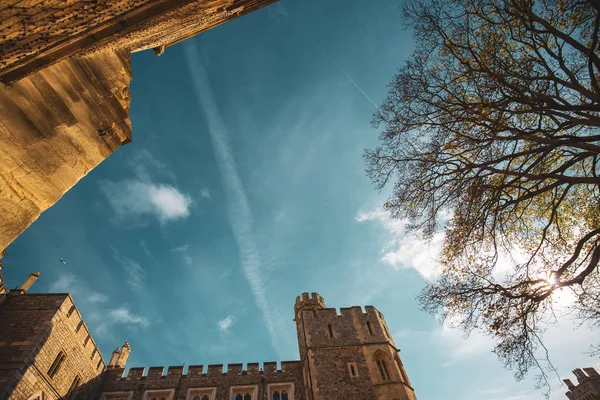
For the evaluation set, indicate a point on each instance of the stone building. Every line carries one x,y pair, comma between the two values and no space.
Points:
64,87
47,353
588,385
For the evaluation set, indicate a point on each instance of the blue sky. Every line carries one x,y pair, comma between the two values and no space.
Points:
243,187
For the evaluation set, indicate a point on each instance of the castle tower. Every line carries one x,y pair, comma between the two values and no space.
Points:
348,355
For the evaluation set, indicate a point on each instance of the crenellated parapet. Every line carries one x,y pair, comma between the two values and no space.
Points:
222,378
345,326
587,387
267,369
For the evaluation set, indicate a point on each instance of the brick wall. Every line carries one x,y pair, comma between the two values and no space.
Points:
35,329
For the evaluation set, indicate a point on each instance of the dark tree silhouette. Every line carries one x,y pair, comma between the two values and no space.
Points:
493,122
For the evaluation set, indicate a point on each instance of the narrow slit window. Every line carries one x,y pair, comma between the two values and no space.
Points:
370,327
330,328
58,361
73,388
352,370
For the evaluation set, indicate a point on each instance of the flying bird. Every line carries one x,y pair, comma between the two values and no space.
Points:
63,261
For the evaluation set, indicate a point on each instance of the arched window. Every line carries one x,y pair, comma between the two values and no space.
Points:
205,397
330,328
245,396
370,326
384,372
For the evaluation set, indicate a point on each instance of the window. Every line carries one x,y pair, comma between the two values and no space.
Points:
330,329
244,393
117,396
58,361
74,386
383,368
37,396
71,311
280,391
353,369
386,331
370,327
166,394
202,394
280,395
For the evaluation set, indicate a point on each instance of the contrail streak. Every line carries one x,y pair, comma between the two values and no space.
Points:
238,208
348,76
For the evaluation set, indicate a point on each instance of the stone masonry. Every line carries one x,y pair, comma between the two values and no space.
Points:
64,87
588,385
36,330
343,354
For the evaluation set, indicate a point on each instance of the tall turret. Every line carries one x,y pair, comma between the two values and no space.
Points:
349,354
119,356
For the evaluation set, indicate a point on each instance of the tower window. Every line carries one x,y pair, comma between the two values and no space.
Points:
58,361
330,329
353,369
74,386
383,368
245,396
386,331
370,327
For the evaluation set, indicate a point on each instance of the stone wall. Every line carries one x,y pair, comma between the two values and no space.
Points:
64,87
587,387
35,328
332,341
56,126
138,384
36,33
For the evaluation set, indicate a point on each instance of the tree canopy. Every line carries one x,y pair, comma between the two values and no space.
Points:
491,132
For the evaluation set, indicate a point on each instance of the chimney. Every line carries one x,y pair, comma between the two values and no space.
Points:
114,357
27,284
125,350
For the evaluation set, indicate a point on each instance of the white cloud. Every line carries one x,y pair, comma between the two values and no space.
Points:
137,198
405,249
225,323
240,214
124,316
69,283
117,316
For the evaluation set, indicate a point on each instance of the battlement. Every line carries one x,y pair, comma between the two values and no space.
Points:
588,383
304,301
212,370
